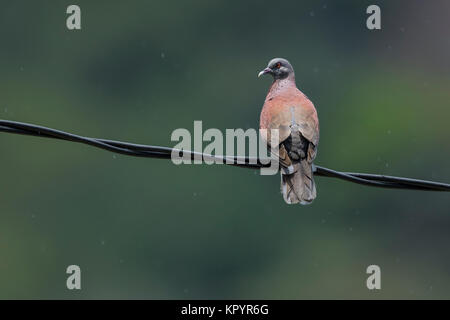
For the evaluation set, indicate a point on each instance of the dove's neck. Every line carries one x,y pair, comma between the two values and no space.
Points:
281,84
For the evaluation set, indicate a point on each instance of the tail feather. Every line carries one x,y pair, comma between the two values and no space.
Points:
299,186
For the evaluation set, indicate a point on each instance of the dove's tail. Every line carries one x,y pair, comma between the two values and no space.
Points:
299,186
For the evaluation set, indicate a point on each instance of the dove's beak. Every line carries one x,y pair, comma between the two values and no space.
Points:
265,71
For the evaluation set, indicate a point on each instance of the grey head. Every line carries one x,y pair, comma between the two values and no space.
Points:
279,68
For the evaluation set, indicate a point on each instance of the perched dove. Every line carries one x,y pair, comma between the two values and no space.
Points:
287,109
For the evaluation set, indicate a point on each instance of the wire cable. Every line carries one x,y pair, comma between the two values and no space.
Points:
148,151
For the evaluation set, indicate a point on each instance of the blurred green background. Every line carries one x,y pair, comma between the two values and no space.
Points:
144,228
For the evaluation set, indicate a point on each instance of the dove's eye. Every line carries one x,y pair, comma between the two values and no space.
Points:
275,66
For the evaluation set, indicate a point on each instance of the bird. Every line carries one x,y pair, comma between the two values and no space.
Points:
290,111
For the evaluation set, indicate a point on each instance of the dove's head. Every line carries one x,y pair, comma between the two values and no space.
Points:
279,68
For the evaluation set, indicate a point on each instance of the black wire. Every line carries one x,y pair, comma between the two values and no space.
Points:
119,146
393,183
148,151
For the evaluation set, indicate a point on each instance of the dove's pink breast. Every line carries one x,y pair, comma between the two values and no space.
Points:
285,103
